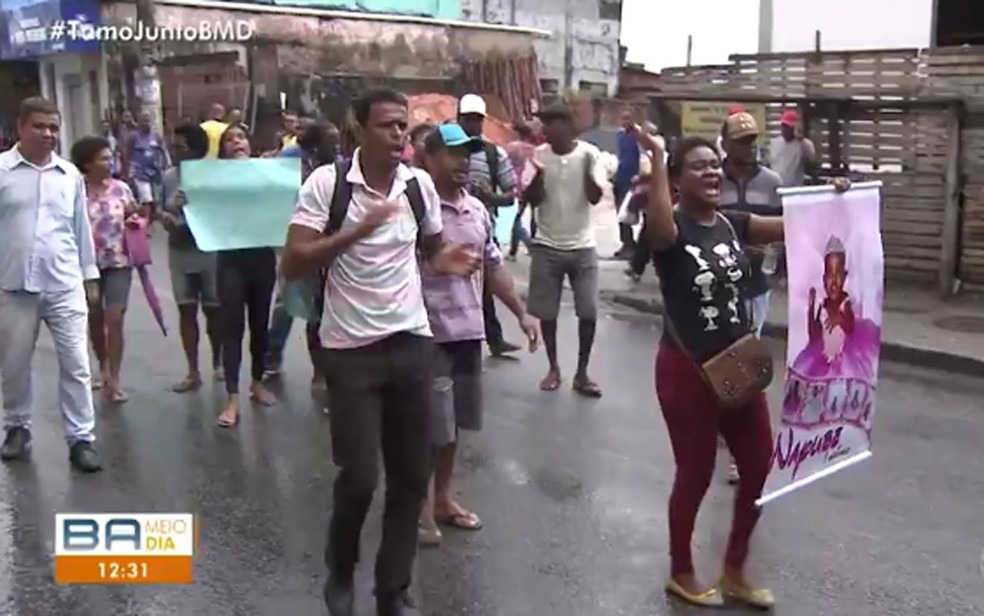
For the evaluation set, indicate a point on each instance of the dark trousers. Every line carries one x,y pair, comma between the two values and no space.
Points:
246,279
493,328
643,252
380,396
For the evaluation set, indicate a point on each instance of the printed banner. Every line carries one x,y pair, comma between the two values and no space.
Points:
836,288
234,204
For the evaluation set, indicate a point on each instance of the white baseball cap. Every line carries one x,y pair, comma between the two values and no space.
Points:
472,104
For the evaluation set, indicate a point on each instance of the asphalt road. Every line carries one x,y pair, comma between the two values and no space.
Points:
573,493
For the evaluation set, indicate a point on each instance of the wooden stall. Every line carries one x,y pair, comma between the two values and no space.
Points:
888,115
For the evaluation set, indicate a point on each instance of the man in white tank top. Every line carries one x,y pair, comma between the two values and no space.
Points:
791,154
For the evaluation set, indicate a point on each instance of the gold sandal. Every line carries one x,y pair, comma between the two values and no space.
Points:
708,598
754,597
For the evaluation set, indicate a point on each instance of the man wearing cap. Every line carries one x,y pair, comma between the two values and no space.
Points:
791,155
749,187
454,308
493,182
569,181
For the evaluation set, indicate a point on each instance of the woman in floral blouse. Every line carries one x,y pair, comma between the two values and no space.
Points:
111,208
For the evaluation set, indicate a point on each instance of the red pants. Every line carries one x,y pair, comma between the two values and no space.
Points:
694,419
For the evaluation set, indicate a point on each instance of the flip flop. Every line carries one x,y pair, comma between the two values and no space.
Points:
224,422
119,397
466,520
187,385
586,388
428,537
551,382
270,400
97,383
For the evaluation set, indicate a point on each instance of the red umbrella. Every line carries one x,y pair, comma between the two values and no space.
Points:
138,249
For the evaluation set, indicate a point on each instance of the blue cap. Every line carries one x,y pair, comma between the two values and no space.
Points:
451,136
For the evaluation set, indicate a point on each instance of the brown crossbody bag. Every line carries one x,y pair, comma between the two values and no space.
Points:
738,372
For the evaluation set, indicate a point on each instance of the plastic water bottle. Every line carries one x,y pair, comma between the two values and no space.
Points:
771,260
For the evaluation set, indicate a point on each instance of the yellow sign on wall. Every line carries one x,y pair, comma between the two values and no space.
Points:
704,119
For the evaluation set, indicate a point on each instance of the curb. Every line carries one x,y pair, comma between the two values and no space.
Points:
892,351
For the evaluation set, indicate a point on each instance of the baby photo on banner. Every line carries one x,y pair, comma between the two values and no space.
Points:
836,275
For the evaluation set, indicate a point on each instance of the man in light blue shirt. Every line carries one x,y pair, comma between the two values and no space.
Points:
47,271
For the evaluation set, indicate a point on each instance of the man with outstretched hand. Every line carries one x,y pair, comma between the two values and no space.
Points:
363,223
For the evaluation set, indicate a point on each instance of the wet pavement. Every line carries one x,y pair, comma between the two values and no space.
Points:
573,495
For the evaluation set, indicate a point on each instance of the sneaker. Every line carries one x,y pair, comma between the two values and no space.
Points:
17,444
84,458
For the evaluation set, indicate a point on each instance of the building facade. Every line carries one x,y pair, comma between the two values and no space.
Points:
71,73
582,56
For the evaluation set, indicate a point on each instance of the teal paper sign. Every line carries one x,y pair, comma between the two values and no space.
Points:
234,204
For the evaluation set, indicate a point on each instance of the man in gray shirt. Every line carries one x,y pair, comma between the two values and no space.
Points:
749,187
47,272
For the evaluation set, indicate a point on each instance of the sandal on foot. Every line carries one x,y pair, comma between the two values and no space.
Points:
97,383
586,388
465,520
551,382
118,397
708,598
265,399
187,385
224,422
428,537
759,598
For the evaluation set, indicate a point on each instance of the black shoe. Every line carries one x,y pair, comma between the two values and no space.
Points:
17,444
503,348
84,458
396,604
340,597
624,253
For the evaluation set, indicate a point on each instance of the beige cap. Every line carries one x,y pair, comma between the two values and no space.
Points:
741,125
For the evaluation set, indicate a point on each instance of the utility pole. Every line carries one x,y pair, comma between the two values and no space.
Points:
766,16
146,80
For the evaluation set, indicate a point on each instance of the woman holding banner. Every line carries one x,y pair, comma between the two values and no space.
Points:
701,260
246,279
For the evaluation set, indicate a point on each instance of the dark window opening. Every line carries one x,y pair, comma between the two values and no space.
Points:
959,22
610,9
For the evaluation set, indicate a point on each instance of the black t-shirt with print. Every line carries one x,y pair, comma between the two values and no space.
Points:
704,278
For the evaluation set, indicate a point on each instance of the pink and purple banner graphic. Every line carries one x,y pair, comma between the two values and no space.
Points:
836,275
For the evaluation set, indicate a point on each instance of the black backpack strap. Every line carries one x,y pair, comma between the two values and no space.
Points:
419,208
340,198
492,158
337,211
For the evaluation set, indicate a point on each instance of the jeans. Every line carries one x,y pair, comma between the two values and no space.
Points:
693,419
280,325
380,399
519,233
